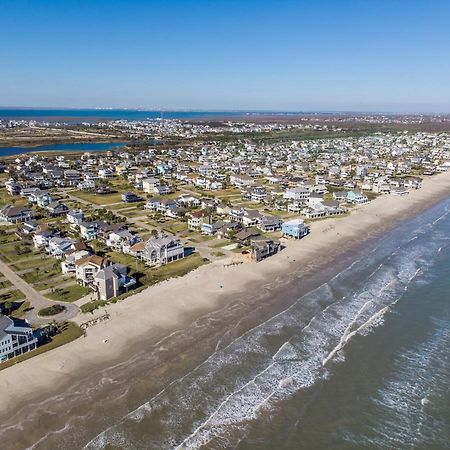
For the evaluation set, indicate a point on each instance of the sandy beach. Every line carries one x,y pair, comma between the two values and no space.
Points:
164,308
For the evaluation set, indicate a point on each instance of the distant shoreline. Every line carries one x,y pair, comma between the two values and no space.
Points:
101,146
78,115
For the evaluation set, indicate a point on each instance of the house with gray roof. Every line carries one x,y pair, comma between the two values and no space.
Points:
15,214
112,281
161,250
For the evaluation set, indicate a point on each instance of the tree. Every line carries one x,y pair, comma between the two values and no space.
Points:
8,305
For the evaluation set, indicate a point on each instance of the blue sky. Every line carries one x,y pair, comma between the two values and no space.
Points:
260,55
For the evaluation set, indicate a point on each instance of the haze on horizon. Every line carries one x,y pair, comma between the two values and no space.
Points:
387,56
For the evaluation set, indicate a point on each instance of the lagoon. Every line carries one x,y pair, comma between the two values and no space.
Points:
75,147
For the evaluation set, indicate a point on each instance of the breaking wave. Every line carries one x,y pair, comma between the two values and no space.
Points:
213,404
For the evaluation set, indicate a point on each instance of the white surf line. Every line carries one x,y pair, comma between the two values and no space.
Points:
179,380
252,381
440,218
223,403
343,342
347,334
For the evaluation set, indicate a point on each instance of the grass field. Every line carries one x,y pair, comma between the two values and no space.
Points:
33,262
12,296
52,282
148,276
175,227
5,284
92,197
8,237
41,274
6,199
68,293
17,250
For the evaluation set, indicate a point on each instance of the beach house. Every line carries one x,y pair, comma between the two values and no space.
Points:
16,214
294,228
112,281
16,338
357,197
160,250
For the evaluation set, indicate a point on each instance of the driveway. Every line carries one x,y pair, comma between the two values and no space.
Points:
36,299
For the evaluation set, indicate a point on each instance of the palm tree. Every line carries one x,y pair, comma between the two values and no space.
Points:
8,305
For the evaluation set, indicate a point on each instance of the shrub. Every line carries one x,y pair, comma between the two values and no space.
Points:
92,306
52,310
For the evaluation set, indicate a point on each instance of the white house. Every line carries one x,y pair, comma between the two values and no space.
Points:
16,338
161,250
149,184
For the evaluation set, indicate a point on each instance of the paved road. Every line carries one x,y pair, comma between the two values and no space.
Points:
36,299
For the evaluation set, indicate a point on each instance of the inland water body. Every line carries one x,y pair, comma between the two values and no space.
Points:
60,148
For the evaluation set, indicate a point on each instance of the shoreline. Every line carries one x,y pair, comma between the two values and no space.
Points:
162,309
27,149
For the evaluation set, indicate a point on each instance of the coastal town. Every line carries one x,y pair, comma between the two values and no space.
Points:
81,231
224,225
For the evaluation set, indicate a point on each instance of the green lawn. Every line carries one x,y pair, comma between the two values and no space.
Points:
69,293
69,332
17,250
39,275
32,263
92,306
5,284
96,199
175,269
53,282
12,296
224,193
6,199
222,243
148,276
6,237
175,227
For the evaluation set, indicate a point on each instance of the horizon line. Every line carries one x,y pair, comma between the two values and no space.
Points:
225,110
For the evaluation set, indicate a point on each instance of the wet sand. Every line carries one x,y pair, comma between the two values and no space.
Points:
170,327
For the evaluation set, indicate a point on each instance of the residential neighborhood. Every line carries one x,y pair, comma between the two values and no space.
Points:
86,229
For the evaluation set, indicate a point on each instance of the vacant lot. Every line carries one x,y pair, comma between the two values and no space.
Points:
103,199
40,274
69,293
17,250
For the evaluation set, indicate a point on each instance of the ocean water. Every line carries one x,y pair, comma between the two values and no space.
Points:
360,362
95,115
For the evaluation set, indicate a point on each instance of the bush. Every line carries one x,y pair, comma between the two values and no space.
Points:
92,306
52,310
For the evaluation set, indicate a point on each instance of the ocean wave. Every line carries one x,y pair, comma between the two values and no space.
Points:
290,351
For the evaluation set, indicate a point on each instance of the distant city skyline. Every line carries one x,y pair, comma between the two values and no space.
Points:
203,55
